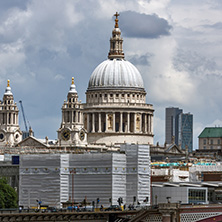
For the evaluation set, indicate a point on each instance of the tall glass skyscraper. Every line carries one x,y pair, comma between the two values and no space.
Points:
186,131
179,126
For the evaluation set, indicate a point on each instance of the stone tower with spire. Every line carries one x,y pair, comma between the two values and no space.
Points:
116,42
10,133
71,131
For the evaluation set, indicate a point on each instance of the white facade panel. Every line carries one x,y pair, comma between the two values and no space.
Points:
175,194
138,173
39,180
64,178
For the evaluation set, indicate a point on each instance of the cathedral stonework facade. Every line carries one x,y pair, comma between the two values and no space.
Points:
115,111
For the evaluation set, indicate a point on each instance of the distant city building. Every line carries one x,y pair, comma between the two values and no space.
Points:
210,144
179,128
171,125
166,152
185,137
211,139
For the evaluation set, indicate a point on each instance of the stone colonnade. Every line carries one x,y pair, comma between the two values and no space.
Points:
9,118
72,117
122,122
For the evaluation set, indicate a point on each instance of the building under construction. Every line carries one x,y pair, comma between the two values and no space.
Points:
53,179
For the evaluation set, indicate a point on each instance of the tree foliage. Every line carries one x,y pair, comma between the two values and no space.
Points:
8,196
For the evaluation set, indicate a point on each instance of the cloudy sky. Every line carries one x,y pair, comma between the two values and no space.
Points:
175,44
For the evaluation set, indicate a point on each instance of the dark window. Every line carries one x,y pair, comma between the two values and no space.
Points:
197,196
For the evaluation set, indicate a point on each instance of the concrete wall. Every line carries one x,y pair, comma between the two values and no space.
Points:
176,194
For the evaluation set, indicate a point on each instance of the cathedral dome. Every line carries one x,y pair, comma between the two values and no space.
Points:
115,73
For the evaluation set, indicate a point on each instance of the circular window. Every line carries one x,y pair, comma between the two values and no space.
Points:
2,136
16,136
82,135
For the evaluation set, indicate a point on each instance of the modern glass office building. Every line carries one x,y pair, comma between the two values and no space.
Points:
185,135
179,128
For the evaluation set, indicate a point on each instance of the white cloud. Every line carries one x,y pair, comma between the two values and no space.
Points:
73,15
216,123
59,77
11,56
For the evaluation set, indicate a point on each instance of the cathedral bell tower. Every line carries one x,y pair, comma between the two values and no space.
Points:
10,133
71,131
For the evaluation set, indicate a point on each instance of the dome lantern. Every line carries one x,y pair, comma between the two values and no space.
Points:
116,72
116,42
8,89
72,87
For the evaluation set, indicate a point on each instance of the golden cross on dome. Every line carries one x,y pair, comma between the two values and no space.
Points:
8,83
117,14
72,80
116,20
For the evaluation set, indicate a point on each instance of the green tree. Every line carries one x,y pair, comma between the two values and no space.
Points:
8,196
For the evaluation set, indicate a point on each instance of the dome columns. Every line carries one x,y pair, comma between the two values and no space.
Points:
88,124
119,121
99,123
93,123
115,97
128,122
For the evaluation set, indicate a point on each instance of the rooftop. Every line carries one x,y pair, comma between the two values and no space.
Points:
211,132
